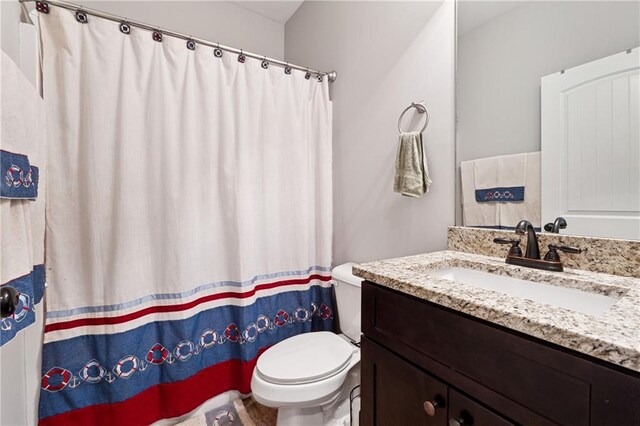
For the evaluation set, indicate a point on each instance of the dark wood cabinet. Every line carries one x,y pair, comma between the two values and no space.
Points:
423,364
401,393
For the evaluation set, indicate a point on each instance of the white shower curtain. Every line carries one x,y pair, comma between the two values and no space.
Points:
188,220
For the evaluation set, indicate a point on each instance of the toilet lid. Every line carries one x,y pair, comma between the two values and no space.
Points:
305,358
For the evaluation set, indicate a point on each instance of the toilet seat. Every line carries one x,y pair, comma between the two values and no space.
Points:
305,358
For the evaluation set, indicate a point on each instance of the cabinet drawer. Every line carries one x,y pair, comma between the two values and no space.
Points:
394,392
464,411
527,373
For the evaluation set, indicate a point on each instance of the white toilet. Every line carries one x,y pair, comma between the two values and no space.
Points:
308,377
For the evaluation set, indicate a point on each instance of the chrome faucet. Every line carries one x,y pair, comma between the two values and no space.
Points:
533,248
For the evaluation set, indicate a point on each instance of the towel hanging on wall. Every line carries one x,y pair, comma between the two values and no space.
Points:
412,174
22,193
412,171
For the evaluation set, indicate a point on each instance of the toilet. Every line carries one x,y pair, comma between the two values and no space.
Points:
309,377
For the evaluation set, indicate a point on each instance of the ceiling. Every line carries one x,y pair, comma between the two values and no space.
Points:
279,11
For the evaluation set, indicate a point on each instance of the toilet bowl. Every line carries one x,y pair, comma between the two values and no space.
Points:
304,376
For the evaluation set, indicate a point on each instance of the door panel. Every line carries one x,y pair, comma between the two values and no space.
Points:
591,147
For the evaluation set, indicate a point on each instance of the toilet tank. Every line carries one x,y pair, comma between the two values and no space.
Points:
347,288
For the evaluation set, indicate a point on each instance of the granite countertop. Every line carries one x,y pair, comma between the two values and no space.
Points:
612,336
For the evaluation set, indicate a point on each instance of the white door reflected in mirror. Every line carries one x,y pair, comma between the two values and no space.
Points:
591,146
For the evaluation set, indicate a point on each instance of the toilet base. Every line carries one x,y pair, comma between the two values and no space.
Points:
334,411
293,416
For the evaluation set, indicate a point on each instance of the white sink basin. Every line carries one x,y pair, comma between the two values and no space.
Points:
562,297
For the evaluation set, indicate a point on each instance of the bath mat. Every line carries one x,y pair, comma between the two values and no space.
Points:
231,414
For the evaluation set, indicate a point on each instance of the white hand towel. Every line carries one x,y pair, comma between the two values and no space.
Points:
473,212
22,145
530,208
500,178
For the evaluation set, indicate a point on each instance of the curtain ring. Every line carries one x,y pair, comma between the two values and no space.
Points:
81,16
217,52
191,45
307,76
125,28
157,36
287,69
42,7
265,63
241,57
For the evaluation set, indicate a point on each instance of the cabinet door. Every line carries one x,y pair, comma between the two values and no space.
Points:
394,392
464,412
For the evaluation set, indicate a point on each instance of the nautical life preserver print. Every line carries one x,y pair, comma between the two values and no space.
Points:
20,176
157,354
126,367
55,379
281,318
23,308
325,312
263,323
58,378
232,333
92,372
250,334
184,350
302,314
208,338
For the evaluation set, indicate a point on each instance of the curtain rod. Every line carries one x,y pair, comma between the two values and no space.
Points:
331,76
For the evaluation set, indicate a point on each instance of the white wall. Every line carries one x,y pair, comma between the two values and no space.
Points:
217,21
500,64
9,22
387,54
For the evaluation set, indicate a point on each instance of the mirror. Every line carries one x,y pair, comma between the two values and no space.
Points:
548,115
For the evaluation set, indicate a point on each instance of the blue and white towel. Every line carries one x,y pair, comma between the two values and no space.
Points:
498,192
500,179
22,162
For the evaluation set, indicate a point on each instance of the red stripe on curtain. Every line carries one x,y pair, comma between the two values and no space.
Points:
181,307
165,400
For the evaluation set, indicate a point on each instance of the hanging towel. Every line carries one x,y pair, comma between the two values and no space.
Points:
484,215
22,160
505,213
500,178
412,174
529,208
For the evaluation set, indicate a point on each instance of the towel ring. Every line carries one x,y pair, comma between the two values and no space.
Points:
421,110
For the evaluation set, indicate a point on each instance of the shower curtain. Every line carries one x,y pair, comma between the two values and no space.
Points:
188,220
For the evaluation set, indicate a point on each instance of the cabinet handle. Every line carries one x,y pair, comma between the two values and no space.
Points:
430,406
465,419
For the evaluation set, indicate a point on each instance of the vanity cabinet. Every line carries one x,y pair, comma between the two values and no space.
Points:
423,364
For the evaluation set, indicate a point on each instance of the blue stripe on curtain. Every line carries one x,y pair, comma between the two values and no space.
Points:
91,361
31,289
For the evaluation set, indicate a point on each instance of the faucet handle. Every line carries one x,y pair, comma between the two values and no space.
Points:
505,241
552,255
570,249
515,245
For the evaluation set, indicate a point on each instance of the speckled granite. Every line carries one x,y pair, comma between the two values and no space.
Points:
613,336
618,257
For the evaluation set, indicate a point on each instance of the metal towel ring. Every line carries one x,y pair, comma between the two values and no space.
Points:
421,110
